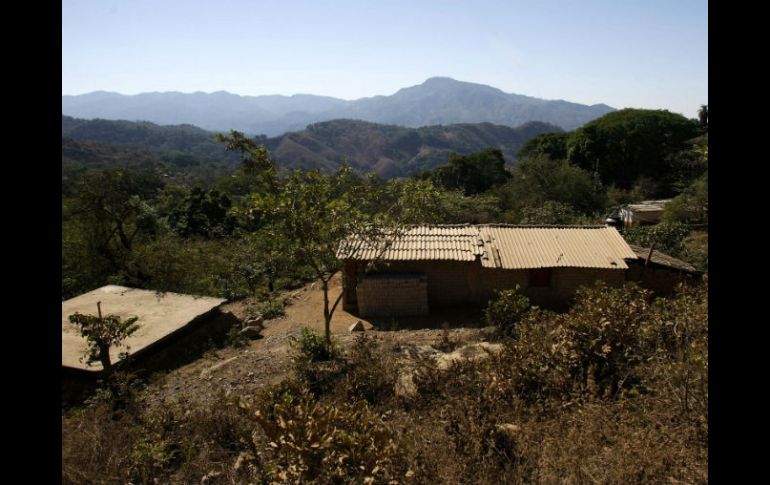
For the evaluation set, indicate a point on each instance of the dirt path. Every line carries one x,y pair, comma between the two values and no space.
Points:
267,361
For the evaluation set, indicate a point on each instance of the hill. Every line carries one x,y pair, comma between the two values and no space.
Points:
388,150
438,100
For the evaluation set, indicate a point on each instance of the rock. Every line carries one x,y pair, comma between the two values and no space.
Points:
259,321
405,387
251,332
471,352
357,327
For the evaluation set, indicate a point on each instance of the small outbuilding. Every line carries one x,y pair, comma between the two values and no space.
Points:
163,318
443,265
645,213
659,272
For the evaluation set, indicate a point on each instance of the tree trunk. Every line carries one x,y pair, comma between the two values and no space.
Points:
327,313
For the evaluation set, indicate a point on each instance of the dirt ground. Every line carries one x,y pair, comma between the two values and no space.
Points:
267,360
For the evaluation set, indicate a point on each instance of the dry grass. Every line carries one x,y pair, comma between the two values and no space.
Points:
614,391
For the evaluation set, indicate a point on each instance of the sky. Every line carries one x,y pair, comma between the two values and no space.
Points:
632,53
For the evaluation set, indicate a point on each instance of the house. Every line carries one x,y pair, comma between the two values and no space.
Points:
645,213
163,318
445,265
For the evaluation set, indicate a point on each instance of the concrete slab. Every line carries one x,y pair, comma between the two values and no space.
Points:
160,314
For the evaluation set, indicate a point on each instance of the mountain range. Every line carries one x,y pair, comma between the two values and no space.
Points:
437,101
389,150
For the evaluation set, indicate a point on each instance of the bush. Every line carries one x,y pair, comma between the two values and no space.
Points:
315,360
506,310
667,236
369,375
273,308
311,442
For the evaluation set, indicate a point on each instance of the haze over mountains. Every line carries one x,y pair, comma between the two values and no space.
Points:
437,101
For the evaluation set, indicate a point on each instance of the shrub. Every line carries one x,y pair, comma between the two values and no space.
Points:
273,308
334,443
506,310
315,361
369,375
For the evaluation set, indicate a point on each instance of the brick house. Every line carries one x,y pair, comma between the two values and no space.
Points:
444,265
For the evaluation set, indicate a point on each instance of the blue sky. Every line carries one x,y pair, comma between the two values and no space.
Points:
643,54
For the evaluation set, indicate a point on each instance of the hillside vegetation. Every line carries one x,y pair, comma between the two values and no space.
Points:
613,390
390,151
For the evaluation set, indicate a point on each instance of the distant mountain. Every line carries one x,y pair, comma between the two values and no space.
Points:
388,150
438,100
393,151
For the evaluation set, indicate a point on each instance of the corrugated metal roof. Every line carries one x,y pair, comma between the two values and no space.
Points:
452,243
501,246
554,247
663,259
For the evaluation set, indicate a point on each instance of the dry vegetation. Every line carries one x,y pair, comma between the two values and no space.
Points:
613,391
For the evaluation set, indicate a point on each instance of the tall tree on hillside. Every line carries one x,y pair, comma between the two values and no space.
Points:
703,116
627,144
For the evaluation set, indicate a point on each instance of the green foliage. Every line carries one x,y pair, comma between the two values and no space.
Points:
551,213
538,180
667,236
456,208
473,173
624,145
312,347
316,360
506,310
273,308
695,250
101,333
551,145
691,206
202,213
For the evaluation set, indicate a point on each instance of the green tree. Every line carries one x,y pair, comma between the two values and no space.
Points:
311,213
102,333
626,144
473,173
551,145
540,179
703,117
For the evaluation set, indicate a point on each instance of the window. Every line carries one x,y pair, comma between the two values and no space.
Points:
540,277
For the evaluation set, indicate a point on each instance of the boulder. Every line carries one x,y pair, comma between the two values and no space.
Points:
357,327
470,352
252,332
259,321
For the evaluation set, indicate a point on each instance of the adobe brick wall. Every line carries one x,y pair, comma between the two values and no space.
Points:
456,283
392,295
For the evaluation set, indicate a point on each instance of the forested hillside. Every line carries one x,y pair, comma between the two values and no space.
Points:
387,150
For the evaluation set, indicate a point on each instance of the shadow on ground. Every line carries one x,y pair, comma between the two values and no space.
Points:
449,317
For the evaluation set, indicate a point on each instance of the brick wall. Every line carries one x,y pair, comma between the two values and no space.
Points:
392,295
455,283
